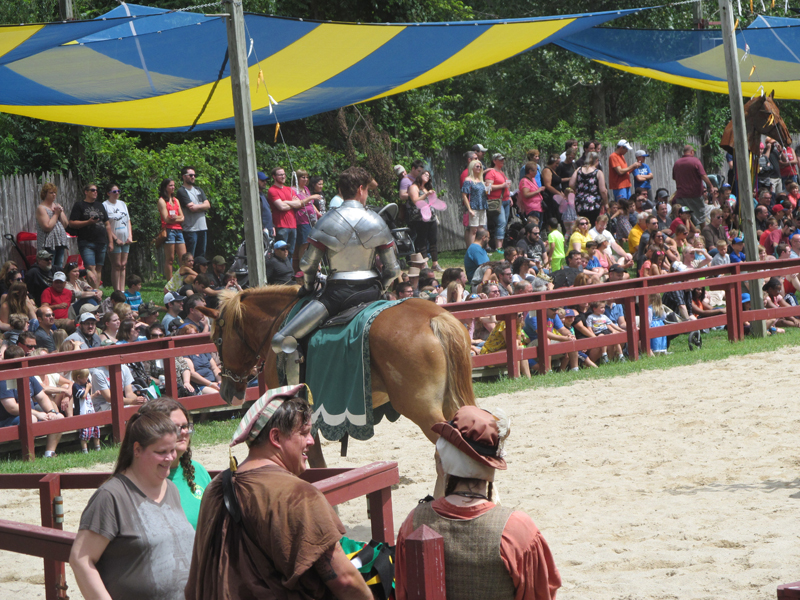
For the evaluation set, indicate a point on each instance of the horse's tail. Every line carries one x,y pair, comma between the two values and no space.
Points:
456,345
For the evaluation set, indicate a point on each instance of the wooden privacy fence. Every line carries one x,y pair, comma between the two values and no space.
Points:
19,197
629,293
49,542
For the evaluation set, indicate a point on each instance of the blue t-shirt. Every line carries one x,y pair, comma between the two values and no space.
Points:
266,214
530,324
593,263
643,170
615,312
737,257
134,300
7,393
474,258
202,364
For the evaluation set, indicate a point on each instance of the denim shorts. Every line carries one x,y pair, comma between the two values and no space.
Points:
175,236
92,253
303,230
123,249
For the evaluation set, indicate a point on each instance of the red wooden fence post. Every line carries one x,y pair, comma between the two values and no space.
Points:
381,517
511,345
117,404
25,417
49,488
732,312
628,305
424,551
170,374
542,350
644,322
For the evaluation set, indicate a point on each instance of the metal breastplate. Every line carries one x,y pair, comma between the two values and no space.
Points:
351,235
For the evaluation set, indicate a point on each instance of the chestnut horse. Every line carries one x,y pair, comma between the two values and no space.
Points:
420,354
761,116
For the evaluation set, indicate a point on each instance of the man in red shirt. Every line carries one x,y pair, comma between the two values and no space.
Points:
469,156
619,173
689,176
788,163
58,298
283,202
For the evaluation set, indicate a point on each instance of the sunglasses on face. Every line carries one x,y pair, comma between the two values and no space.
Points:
114,192
93,190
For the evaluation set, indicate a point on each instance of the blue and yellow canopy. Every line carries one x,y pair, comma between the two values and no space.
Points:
142,68
695,59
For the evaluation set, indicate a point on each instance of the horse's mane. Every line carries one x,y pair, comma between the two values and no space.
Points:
230,302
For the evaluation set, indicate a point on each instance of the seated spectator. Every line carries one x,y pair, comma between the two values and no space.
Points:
600,324
590,261
82,399
679,302
404,290
9,274
27,341
125,312
783,252
701,307
40,276
617,273
684,218
44,333
774,299
714,231
129,332
522,269
174,303
622,221
497,341
565,277
510,254
86,333
205,372
616,312
101,389
59,298
43,409
205,287
690,261
580,236
82,292
476,253
186,272
18,324
279,265
470,451
133,295
737,250
56,386
109,326
615,253
636,232
17,302
532,247
557,333
721,257
148,313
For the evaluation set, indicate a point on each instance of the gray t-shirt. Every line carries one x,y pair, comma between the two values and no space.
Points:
100,382
192,221
150,543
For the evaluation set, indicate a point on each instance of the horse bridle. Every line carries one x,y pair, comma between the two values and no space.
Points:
260,362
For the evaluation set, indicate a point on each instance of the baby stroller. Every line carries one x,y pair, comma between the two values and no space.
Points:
401,235
239,264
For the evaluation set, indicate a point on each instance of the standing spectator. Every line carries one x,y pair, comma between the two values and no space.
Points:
568,145
590,188
555,245
306,217
567,165
773,151
480,152
551,183
194,205
51,221
134,540
316,184
529,200
689,176
267,226
172,217
642,175
121,235
788,164
90,219
476,253
279,266
499,198
532,155
40,276
468,157
490,551
284,202
417,167
425,232
475,199
619,173
588,146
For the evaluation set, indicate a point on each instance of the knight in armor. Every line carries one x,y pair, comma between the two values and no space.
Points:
490,551
350,236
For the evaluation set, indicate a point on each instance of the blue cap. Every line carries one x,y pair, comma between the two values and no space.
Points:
726,185
737,240
262,176
745,297
568,312
280,244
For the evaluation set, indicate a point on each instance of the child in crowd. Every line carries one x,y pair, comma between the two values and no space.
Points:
600,324
722,257
555,245
133,296
82,399
657,312
737,250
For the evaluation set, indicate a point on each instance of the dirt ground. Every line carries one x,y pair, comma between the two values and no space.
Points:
674,484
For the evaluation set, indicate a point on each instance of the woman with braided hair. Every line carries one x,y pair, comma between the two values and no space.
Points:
189,476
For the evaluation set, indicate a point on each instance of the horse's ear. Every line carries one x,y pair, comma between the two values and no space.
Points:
772,94
209,312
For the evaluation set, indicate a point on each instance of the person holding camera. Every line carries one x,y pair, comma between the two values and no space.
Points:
89,220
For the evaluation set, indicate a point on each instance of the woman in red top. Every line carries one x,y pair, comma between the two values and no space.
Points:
171,218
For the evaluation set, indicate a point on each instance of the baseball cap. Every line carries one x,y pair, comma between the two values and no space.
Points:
218,260
262,176
478,148
59,276
201,260
87,316
737,240
778,208
641,154
148,308
745,297
662,194
625,144
89,308
498,156
686,209
726,185
43,254
616,269
280,244
173,297
568,312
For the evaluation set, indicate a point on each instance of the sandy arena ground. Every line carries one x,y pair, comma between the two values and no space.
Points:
674,484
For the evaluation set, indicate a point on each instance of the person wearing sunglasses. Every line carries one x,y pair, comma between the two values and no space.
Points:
90,220
195,205
119,243
51,223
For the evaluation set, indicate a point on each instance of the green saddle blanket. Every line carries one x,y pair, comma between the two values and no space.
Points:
339,377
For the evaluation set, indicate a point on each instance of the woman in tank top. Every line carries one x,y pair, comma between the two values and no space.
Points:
171,218
51,222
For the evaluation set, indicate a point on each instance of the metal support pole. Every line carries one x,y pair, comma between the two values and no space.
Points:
65,10
245,144
741,155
